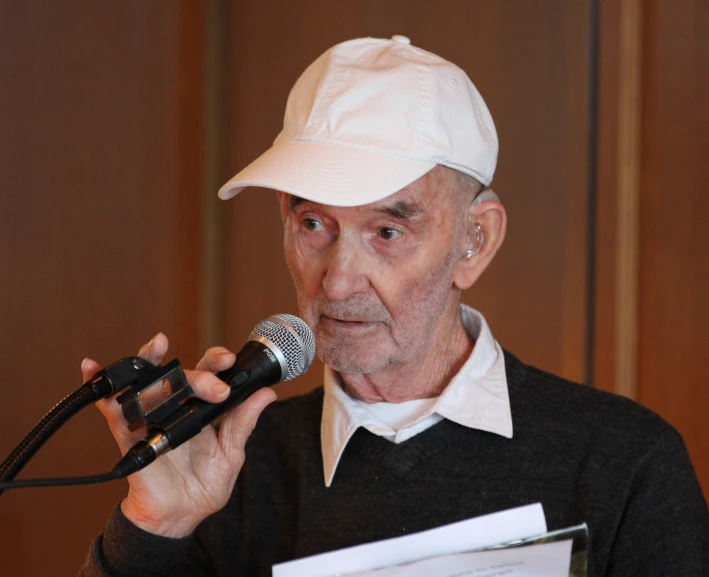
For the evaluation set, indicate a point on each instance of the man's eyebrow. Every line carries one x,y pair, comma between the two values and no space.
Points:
402,210
294,201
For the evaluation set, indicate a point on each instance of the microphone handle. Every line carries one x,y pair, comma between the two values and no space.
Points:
253,369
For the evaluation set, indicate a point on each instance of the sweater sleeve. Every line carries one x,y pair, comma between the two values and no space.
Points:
125,550
664,530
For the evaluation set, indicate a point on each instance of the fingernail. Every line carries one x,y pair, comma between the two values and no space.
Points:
83,362
221,389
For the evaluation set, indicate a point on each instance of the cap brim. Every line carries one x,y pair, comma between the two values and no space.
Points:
328,173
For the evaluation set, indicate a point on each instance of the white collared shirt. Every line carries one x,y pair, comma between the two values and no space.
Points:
476,397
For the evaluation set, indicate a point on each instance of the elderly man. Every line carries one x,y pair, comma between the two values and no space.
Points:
381,171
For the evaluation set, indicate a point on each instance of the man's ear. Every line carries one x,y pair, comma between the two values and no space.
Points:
486,225
282,203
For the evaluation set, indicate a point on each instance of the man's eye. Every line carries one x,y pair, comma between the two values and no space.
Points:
390,233
312,225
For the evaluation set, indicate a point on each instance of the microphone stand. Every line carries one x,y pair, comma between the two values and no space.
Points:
131,376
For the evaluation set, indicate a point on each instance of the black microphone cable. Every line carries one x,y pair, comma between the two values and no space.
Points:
121,470
103,385
279,349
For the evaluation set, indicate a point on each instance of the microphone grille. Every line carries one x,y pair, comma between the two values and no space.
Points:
294,339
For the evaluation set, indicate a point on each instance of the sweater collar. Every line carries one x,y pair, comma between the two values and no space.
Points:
476,397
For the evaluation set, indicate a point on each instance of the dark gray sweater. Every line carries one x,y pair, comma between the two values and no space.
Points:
584,454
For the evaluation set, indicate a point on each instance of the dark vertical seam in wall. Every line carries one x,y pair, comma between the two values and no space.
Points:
212,292
591,193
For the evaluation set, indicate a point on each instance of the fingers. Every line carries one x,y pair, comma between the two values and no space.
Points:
204,384
89,368
155,350
239,423
207,387
113,415
216,359
202,381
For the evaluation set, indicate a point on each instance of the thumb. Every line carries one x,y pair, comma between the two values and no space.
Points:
238,425
89,368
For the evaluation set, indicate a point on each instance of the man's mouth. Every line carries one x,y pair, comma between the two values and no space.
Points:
346,323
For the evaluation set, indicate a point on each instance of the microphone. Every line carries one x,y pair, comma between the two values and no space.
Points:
279,349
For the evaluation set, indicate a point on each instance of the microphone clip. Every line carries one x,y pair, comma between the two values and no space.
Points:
154,393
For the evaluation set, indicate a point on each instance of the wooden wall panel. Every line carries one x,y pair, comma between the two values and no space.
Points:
99,236
102,154
604,346
673,378
671,209
530,62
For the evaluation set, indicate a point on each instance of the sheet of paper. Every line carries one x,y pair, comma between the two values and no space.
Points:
459,537
547,560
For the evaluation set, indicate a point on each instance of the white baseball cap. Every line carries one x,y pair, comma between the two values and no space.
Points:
368,118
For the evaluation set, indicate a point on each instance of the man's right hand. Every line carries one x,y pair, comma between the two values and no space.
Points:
174,494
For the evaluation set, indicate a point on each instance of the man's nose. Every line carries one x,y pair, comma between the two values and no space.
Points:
345,274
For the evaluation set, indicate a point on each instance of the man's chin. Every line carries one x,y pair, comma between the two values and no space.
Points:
351,358
354,367
352,347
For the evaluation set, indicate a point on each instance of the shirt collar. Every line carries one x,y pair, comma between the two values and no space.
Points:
476,397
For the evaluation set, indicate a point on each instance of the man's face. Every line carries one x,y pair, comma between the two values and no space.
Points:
373,281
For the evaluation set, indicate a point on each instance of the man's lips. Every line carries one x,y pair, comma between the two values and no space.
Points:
347,323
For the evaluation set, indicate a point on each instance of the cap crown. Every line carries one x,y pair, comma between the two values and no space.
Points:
390,97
